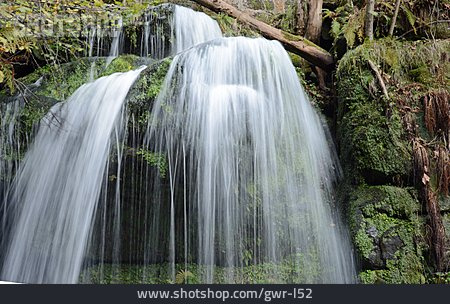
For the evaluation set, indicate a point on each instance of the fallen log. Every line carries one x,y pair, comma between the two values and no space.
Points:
292,43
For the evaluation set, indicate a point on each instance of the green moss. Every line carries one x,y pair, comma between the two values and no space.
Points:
363,242
421,74
388,234
231,27
122,63
150,82
407,270
371,143
424,62
61,81
292,37
145,90
393,201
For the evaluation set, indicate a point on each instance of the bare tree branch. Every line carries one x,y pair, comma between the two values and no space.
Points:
394,18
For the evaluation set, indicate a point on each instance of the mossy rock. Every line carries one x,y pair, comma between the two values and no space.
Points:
371,144
144,91
61,81
372,139
388,234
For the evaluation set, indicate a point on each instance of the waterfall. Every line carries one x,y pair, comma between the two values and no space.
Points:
249,166
60,180
192,28
185,28
10,153
115,49
234,170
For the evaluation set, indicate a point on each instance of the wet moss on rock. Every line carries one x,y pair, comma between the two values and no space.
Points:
372,139
387,231
61,81
145,90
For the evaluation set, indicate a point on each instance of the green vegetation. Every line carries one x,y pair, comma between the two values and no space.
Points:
150,82
155,160
74,75
22,44
265,273
371,131
388,234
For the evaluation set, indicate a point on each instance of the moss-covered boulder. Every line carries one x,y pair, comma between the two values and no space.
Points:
60,81
371,140
388,234
371,144
372,129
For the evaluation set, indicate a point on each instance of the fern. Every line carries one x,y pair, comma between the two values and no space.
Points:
12,40
14,47
183,277
335,29
353,29
347,22
410,16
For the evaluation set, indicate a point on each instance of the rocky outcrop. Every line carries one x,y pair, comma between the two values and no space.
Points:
383,192
388,234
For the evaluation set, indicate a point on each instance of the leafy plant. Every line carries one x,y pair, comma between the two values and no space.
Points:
15,48
347,23
184,277
155,159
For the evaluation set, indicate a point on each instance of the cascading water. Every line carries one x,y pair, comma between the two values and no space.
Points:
249,166
10,151
244,173
59,184
185,29
115,49
192,28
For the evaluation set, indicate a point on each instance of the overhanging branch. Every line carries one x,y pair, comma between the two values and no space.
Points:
295,44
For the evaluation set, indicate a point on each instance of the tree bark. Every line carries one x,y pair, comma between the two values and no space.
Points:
394,18
300,15
279,6
314,27
313,33
295,44
369,19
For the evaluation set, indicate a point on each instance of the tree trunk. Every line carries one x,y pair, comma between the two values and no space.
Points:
314,27
394,18
296,44
313,33
300,15
279,6
369,19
